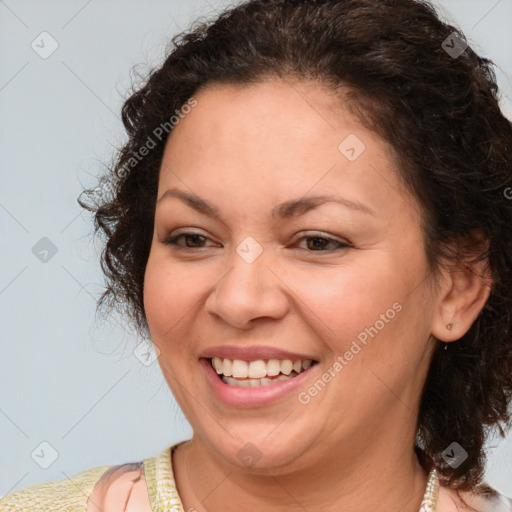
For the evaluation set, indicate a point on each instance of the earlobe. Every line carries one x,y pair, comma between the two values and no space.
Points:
463,294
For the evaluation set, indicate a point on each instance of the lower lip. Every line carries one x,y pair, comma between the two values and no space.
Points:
251,397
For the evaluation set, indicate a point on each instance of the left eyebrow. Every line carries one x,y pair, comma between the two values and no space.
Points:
301,206
293,208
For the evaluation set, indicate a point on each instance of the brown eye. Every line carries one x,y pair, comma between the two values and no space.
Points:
192,240
321,243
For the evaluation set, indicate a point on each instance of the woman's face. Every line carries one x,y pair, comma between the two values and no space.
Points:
251,277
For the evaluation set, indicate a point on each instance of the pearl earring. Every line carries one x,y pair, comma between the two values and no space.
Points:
449,327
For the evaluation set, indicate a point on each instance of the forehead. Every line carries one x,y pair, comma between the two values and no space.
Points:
267,112
276,139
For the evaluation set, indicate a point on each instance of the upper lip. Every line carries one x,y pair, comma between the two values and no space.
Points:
252,353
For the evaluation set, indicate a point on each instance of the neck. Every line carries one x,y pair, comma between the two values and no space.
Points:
374,473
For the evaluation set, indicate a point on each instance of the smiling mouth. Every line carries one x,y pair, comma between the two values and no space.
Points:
253,374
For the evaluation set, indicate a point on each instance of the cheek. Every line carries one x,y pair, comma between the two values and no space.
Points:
156,296
168,294
168,304
341,302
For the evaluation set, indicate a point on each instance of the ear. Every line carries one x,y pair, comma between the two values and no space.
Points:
464,287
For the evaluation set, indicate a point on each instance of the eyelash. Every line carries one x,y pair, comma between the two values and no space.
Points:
172,241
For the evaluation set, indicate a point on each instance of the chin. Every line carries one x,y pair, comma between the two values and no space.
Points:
260,449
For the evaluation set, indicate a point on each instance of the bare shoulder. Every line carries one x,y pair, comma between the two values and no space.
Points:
121,489
484,499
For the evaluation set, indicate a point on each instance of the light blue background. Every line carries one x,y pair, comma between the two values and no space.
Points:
68,378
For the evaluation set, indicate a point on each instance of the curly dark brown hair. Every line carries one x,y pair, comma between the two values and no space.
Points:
411,79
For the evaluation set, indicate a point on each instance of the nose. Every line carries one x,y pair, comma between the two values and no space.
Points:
247,292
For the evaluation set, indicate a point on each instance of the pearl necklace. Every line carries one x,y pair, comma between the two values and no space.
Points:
428,503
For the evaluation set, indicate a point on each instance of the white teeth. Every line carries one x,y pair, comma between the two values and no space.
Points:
286,366
227,367
273,368
240,369
256,383
255,373
217,364
257,369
